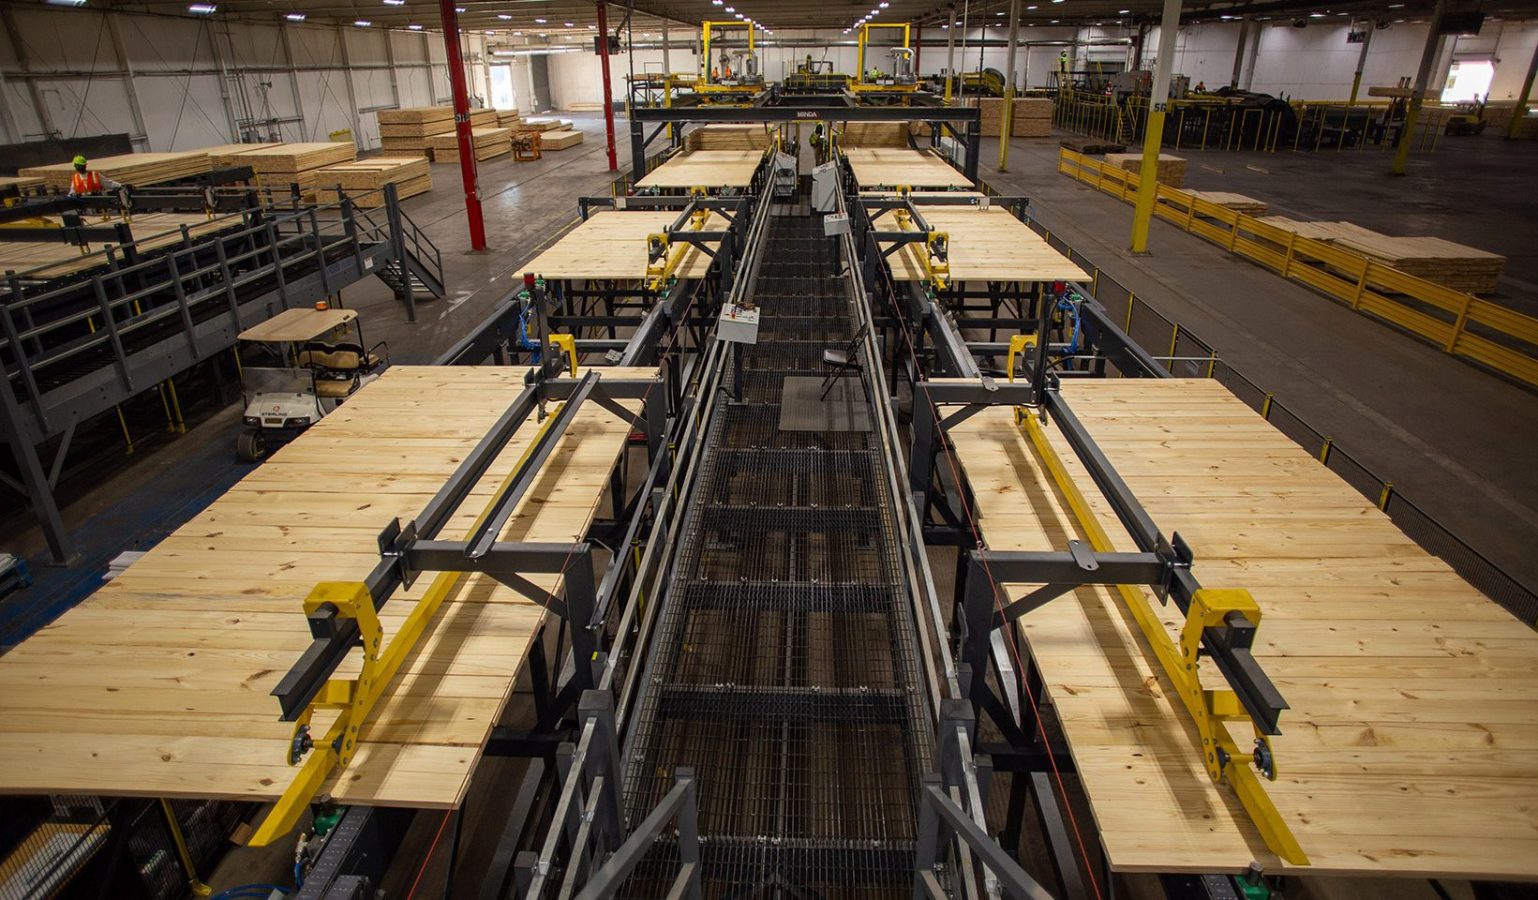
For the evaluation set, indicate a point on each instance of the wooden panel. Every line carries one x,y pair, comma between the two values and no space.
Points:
987,245
612,244
704,168
150,231
291,159
560,139
1412,696
882,167
158,684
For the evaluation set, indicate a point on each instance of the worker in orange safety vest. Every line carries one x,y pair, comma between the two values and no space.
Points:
84,181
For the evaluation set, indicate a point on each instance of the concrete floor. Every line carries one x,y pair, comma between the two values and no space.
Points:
1455,439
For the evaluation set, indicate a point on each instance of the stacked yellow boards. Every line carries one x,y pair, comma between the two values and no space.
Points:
405,131
560,139
137,169
729,137
488,143
1171,169
363,179
874,134
1236,202
301,164
1443,262
1032,115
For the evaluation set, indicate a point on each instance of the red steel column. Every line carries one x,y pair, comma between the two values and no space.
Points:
608,89
462,124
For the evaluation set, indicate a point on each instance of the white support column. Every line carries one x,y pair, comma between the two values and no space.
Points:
667,59
1244,36
1418,95
1361,60
395,86
950,51
1007,113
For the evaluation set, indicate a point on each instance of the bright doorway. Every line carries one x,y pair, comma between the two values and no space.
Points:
502,94
1468,80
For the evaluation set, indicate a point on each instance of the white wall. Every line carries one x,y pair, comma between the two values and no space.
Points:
183,82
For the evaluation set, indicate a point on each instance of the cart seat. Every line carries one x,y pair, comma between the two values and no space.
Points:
337,357
335,387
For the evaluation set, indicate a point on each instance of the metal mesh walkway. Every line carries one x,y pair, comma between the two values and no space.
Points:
784,671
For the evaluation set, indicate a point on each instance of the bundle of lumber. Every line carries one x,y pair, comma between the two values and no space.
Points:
730,137
483,118
1236,202
560,140
1092,145
1171,169
489,143
299,164
536,125
224,156
137,169
405,131
583,106
363,179
1439,261
1032,115
508,118
874,134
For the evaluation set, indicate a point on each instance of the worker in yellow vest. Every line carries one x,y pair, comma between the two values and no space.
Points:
84,181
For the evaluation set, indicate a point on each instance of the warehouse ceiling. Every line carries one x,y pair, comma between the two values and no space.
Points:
553,18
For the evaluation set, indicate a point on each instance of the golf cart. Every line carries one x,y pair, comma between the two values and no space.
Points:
316,364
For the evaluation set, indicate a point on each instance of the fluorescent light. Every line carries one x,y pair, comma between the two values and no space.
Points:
415,27
295,17
362,23
66,2
394,2
202,9
1123,12
539,21
503,16
567,24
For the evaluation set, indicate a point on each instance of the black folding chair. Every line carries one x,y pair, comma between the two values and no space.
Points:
842,359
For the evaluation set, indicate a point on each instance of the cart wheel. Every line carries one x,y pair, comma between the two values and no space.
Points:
251,446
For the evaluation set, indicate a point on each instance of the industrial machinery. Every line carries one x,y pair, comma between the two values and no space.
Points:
319,365
731,74
898,77
1467,118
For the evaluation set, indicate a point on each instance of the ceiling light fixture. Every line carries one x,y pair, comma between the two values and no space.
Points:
202,9
415,27
503,16
66,2
295,17
395,2
362,23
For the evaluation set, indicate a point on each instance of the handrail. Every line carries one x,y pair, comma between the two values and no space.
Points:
1438,315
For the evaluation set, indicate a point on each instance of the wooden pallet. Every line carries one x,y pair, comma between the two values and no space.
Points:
158,684
1170,170
488,143
560,140
1411,694
130,168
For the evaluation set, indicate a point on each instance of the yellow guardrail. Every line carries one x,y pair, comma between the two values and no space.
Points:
1506,341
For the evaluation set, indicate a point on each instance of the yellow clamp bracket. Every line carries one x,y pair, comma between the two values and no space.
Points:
938,263
663,255
355,698
1210,710
568,344
1018,343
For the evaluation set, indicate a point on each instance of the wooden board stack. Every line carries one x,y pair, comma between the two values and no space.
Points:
150,231
1439,261
509,118
730,137
537,125
363,179
489,143
224,156
874,134
1171,169
1032,115
405,131
1092,145
286,164
1236,202
137,169
481,118
560,140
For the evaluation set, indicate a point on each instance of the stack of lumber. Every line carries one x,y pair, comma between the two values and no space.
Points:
298,164
508,118
730,137
537,125
363,179
583,106
560,140
481,118
1439,261
489,143
1092,145
407,130
1032,115
1236,202
874,134
224,156
130,168
15,184
1171,169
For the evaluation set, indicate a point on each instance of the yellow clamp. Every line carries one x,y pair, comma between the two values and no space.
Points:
1018,343
568,344
938,245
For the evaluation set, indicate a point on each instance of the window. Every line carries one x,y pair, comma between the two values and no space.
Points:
502,94
1468,80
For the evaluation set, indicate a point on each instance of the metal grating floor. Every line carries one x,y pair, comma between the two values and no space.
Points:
784,668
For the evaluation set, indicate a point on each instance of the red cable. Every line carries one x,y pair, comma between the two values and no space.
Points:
429,857
1014,651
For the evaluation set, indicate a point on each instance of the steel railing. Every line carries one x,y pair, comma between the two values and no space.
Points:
1479,331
